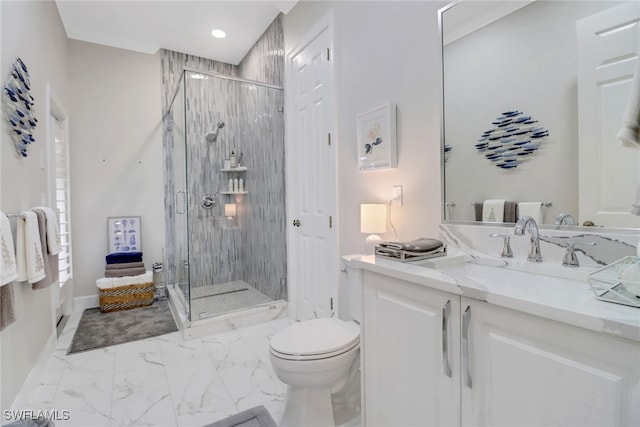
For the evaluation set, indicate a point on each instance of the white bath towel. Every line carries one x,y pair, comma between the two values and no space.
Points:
532,209
28,249
493,210
54,246
114,282
629,134
8,268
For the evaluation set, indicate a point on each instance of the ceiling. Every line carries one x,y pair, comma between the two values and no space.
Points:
180,25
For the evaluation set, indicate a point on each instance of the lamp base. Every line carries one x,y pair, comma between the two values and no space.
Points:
371,242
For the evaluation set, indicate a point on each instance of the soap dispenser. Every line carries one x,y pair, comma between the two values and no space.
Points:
233,159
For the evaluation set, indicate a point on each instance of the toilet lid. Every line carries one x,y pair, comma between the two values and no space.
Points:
316,337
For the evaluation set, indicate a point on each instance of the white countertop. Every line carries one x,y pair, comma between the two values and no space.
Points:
567,299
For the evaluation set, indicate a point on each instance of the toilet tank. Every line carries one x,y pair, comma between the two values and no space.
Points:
351,293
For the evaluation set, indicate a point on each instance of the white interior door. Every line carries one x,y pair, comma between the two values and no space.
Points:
608,47
312,260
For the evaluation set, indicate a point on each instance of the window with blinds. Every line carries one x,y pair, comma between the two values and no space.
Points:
63,203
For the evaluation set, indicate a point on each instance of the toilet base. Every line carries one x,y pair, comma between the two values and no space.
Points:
308,407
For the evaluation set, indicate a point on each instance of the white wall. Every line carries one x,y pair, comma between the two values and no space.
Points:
116,153
385,51
33,31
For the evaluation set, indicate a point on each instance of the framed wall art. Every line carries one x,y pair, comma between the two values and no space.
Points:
124,234
377,139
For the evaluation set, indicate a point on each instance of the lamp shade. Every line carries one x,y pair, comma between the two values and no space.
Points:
230,209
373,218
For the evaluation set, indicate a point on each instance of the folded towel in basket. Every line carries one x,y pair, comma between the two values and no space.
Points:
422,244
121,265
122,272
120,257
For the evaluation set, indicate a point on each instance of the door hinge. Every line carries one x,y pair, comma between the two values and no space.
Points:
328,54
330,221
331,303
329,139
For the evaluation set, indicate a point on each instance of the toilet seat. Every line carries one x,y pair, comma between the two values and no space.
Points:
315,339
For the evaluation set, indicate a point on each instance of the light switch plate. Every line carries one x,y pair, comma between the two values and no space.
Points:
396,195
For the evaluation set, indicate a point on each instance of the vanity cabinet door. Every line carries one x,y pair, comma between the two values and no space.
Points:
411,367
523,370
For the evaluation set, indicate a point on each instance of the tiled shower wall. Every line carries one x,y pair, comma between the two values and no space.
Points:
253,251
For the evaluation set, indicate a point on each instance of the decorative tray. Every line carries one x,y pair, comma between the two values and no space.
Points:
408,256
608,285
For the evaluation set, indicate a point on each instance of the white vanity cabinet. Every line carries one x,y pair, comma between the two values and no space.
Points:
411,362
508,368
524,370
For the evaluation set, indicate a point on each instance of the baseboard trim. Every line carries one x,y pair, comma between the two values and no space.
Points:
33,378
82,303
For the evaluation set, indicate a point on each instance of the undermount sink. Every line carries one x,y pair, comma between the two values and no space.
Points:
500,278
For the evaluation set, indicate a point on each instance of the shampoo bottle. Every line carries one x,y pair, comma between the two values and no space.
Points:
233,159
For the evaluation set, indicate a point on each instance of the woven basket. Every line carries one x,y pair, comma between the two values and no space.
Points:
126,297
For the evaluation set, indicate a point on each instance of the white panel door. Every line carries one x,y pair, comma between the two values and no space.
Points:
313,263
411,365
529,371
608,47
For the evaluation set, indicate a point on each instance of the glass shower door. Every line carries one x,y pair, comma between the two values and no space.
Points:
177,198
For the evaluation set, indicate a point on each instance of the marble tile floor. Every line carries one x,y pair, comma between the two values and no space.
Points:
161,381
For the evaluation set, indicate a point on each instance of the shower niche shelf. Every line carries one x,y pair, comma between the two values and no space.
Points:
236,170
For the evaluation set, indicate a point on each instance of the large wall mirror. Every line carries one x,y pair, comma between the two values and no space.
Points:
556,74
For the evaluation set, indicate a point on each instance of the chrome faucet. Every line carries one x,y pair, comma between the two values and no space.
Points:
527,223
565,218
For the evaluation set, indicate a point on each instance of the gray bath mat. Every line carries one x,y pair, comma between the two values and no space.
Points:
98,329
254,417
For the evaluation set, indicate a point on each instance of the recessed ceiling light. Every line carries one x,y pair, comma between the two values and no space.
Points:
219,34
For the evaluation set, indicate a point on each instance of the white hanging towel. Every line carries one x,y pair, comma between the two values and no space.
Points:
54,246
532,209
493,210
28,249
9,268
629,134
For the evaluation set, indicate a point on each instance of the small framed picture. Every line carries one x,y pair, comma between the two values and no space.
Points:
377,139
124,234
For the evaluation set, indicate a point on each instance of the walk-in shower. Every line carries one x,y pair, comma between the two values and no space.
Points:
225,249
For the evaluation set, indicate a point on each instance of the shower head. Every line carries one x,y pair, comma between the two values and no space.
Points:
213,136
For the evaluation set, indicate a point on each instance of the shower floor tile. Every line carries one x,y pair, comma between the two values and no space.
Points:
211,300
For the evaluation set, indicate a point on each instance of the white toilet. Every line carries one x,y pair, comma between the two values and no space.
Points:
319,357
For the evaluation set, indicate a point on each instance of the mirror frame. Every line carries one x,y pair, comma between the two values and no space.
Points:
443,183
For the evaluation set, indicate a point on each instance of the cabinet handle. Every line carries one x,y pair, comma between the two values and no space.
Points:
466,319
445,338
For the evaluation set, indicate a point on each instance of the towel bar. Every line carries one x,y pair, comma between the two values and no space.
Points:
545,204
15,215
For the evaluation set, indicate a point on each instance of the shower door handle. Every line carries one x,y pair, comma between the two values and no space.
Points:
184,202
296,223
